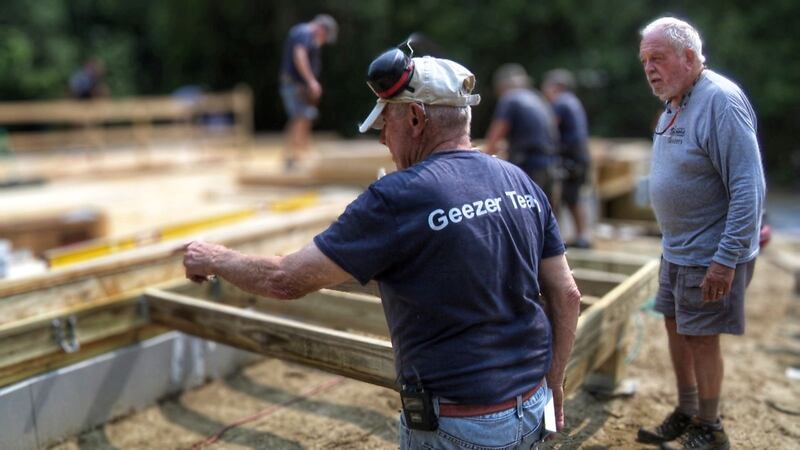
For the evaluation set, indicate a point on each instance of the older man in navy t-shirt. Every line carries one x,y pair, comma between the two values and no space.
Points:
461,244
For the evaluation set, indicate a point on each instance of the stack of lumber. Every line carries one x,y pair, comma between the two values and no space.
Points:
357,165
106,122
58,138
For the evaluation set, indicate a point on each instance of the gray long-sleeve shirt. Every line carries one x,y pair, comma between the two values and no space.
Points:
706,180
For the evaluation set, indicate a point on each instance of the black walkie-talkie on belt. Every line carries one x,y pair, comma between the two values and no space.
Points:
418,408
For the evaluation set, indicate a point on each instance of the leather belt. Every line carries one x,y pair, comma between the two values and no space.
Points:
459,410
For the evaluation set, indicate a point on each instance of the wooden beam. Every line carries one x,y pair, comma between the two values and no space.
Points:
135,117
131,272
590,282
606,261
598,337
100,292
29,347
600,327
345,311
359,357
31,338
595,282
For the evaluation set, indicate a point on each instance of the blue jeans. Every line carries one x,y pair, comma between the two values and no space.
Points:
521,427
295,102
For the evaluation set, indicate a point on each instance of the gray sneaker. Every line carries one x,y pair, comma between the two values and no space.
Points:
700,436
672,427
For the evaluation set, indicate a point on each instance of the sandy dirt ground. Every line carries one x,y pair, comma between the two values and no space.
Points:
276,405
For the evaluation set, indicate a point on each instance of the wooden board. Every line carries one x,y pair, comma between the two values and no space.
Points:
601,326
42,232
617,164
115,280
100,122
101,296
347,311
606,261
590,282
359,165
599,329
355,356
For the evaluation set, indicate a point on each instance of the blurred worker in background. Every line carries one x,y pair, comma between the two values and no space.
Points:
462,245
88,82
526,121
707,188
573,128
299,81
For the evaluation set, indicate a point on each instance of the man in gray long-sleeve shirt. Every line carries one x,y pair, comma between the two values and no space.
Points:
707,189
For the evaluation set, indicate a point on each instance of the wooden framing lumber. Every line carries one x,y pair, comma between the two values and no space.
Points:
590,282
102,296
595,282
599,344
347,311
132,272
41,232
99,293
617,164
606,261
357,167
601,326
137,120
359,357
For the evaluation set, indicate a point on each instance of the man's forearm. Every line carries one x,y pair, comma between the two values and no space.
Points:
303,65
497,131
283,277
563,303
563,314
255,274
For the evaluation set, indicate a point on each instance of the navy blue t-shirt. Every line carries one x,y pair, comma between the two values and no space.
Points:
300,34
572,126
532,135
455,243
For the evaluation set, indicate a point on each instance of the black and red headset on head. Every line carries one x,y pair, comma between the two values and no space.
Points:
390,73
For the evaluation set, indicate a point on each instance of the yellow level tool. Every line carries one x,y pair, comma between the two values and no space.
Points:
72,254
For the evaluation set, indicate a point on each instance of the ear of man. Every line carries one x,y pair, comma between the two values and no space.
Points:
417,118
691,57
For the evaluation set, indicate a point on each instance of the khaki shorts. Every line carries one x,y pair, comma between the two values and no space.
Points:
680,296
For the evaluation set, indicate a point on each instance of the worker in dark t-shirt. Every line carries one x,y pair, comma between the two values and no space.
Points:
299,81
573,128
526,121
462,245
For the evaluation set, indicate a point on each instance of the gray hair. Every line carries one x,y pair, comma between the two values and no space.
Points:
560,77
511,76
331,27
446,118
679,33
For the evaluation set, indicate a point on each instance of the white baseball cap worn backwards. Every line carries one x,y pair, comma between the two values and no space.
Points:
397,78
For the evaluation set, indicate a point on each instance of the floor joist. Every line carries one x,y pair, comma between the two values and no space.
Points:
355,356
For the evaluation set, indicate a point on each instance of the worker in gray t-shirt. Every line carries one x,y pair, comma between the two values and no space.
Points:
707,189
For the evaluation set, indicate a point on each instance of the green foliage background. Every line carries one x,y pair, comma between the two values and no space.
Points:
153,47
